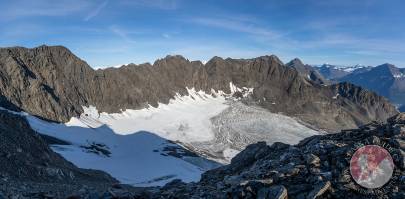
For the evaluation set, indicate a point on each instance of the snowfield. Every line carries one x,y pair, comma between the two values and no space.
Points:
139,158
182,139
184,119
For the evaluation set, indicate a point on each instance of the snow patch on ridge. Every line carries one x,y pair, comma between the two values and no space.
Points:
399,75
244,90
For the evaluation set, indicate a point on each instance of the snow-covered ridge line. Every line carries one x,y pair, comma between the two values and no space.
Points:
342,68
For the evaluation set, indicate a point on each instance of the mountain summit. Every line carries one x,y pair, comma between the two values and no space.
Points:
307,71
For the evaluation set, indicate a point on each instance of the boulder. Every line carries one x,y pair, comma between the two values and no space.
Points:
319,190
273,192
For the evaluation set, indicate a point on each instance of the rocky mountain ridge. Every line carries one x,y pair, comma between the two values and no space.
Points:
52,83
386,80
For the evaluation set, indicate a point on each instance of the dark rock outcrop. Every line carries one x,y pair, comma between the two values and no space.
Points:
52,83
317,167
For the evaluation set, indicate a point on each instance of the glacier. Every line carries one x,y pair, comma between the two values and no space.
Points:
142,147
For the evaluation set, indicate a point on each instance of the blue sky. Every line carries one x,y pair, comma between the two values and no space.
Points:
114,32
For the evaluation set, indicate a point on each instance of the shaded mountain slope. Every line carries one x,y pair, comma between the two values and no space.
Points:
386,80
54,84
26,161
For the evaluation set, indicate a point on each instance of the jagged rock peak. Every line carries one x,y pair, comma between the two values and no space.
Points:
295,61
265,57
59,49
270,58
215,59
41,47
386,65
171,58
175,57
386,68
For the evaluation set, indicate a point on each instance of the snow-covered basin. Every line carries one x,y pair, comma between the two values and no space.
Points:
136,138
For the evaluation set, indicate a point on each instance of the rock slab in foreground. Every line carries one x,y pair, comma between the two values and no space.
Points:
317,167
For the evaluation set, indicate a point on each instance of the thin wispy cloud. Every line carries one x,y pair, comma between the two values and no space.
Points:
25,8
157,4
123,34
357,44
237,24
96,11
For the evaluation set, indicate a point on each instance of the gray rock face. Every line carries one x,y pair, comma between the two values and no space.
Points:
317,167
54,84
47,82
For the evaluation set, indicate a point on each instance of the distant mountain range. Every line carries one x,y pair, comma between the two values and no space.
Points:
386,79
331,72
